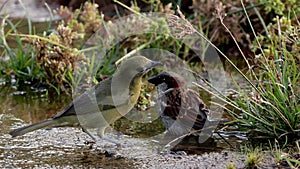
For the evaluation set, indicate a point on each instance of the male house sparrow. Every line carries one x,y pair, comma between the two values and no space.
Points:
82,114
181,109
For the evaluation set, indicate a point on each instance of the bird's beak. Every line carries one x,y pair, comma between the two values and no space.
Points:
150,66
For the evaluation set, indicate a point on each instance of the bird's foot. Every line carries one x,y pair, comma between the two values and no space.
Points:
110,153
90,143
118,144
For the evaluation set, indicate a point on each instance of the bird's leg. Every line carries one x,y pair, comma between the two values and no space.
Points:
224,139
88,133
91,143
102,135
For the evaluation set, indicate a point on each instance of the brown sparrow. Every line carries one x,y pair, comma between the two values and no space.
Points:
180,108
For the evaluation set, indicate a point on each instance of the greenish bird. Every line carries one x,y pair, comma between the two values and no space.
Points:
104,103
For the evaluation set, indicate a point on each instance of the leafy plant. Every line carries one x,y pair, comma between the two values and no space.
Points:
254,157
18,62
285,157
230,165
270,107
53,56
281,7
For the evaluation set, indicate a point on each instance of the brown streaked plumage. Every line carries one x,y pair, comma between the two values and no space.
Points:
181,109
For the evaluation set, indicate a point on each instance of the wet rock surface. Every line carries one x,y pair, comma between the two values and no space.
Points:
71,148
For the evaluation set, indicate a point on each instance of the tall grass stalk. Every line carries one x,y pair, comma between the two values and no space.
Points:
270,108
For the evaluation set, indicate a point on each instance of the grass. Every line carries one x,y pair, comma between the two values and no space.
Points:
270,108
254,157
20,60
286,157
48,58
230,165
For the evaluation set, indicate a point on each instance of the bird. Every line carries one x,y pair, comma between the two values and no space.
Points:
180,108
104,103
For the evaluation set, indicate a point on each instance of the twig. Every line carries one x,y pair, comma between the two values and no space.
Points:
42,38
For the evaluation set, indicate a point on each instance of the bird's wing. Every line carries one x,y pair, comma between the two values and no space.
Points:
98,98
185,106
170,102
193,110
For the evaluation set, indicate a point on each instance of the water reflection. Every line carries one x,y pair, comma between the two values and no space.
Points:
30,105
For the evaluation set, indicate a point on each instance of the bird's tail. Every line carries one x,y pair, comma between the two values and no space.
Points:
32,127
